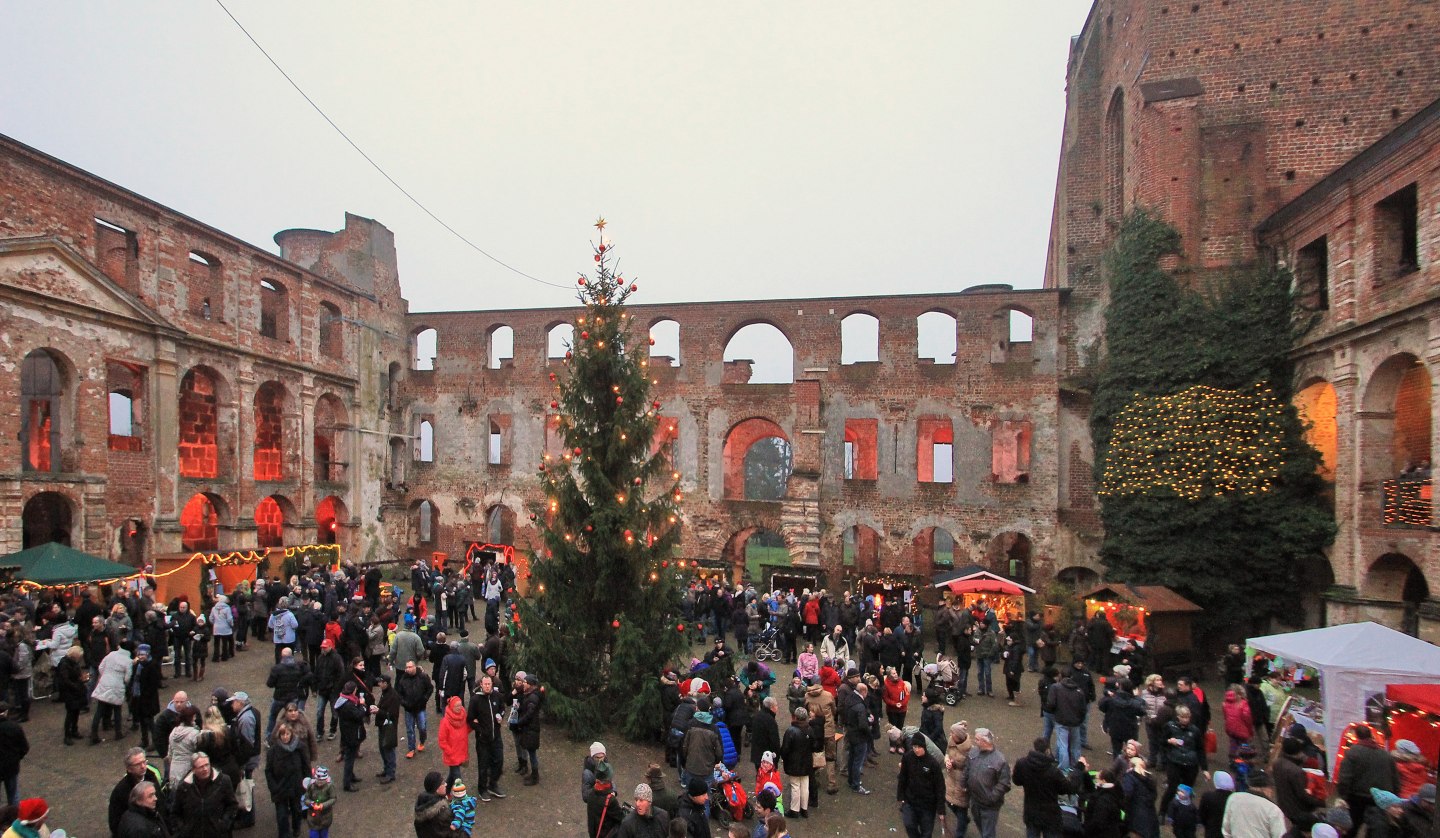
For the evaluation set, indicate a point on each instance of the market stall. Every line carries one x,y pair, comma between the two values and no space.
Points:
1155,617
55,565
1413,712
1357,664
974,587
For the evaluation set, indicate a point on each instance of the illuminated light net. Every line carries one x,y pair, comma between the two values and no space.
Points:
1197,443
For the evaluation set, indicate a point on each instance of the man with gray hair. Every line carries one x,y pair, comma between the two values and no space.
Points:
795,755
858,720
987,779
141,820
764,730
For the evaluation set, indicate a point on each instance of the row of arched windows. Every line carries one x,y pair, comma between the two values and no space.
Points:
763,344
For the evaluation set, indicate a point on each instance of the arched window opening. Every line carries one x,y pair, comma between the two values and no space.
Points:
1316,407
427,348
425,442
1395,578
1395,438
331,329
767,469
496,444
425,525
1081,580
1115,158
942,549
500,524
330,425
1022,326
860,549
330,516
759,354
935,451
41,392
397,463
274,311
1008,554
269,523
269,431
199,424
764,551
199,526
757,460
559,340
1011,337
859,339
936,331
125,383
46,517
205,287
861,449
665,350
502,346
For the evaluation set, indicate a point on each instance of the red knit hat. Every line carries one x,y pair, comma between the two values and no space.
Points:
33,810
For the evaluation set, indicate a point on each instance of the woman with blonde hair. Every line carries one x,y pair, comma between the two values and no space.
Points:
184,742
70,678
215,740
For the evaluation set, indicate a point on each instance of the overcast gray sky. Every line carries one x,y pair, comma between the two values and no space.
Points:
739,150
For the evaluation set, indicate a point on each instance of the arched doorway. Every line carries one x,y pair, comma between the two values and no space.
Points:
46,518
1077,578
500,524
934,549
330,516
860,549
1395,578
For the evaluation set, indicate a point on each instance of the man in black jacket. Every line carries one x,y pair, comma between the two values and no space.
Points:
1065,701
692,809
165,722
487,711
203,804
328,677
182,623
795,756
137,770
920,789
290,679
413,687
857,717
764,730
1044,782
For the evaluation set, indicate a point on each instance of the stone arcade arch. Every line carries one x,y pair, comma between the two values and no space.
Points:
200,521
759,353
330,515
1395,581
1009,554
46,517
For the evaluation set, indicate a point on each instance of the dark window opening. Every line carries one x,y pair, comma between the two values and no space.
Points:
1397,228
1312,275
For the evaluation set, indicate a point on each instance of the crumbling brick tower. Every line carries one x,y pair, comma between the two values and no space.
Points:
1215,113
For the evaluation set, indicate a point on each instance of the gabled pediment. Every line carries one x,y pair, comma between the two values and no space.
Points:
51,270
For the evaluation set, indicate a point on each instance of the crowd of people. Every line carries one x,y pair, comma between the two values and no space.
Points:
366,659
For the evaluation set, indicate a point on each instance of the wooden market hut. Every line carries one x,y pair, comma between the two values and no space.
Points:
1161,617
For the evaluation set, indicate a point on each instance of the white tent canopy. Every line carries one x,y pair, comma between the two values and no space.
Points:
1355,661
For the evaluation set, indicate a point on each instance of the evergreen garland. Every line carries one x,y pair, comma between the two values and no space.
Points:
1237,553
599,621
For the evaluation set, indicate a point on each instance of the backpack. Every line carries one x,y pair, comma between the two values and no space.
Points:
727,745
245,751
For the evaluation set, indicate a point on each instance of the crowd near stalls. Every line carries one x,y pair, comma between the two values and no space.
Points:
351,658
792,699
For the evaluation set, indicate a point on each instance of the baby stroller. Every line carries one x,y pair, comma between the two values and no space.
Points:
942,677
728,800
767,644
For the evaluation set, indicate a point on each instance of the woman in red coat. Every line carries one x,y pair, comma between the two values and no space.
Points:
1239,726
454,738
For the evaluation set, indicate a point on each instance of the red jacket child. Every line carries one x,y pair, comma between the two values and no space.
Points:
454,734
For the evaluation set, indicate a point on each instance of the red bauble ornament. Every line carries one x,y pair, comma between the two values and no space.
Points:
655,405
577,452
664,562
614,624
554,405
652,341
634,287
584,335
619,399
552,376
637,481
629,534
680,628
597,257
533,516
602,248
589,528
567,354
582,280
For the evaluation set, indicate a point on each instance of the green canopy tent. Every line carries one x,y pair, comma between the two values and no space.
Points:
55,564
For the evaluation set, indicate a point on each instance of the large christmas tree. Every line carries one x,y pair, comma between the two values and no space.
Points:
600,618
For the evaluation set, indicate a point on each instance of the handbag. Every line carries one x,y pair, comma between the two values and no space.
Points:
1211,743
817,759
245,794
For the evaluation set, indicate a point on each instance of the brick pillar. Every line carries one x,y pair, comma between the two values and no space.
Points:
163,418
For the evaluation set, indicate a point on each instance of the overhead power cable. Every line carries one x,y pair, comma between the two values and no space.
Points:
368,159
